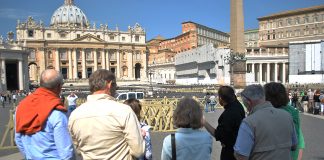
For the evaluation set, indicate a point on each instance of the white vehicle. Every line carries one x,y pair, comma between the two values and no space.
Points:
129,95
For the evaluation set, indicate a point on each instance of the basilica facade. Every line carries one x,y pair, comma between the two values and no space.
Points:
77,48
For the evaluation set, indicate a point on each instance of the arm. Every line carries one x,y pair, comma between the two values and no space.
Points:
61,134
74,139
244,142
294,139
209,128
148,144
18,137
240,157
166,153
19,144
133,135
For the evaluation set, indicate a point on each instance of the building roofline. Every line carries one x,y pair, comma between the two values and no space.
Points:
293,12
249,30
224,33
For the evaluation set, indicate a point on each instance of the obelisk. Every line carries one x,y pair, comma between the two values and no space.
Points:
237,42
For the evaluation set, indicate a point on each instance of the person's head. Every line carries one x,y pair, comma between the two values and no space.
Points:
187,114
51,80
135,105
226,95
72,94
276,94
103,81
252,95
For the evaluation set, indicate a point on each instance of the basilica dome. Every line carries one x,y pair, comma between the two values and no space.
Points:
69,15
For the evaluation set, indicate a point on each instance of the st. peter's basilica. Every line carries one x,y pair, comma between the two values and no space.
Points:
77,48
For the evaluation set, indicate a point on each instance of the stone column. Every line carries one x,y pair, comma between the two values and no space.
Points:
284,73
268,73
130,65
260,69
83,64
3,75
276,51
95,60
75,64
57,60
260,50
118,65
144,62
70,63
276,72
103,59
107,60
253,71
20,74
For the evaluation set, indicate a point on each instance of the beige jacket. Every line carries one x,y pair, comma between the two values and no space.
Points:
102,128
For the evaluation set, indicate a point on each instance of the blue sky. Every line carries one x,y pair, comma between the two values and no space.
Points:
158,17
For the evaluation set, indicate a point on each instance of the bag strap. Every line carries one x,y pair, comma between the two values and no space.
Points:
173,144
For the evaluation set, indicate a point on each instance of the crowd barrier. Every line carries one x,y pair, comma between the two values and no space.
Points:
157,113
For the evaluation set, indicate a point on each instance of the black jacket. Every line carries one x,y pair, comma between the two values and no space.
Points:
228,125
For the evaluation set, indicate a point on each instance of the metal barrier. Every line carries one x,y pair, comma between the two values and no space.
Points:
9,130
157,113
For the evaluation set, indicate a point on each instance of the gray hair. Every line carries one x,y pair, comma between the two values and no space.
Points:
253,92
51,79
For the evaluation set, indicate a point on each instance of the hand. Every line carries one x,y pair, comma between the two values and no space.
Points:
203,120
143,132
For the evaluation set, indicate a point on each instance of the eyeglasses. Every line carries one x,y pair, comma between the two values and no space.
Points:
245,97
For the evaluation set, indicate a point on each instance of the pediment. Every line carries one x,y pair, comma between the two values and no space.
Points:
88,38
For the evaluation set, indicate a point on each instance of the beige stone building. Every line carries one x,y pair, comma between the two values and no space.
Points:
77,49
295,25
268,60
13,65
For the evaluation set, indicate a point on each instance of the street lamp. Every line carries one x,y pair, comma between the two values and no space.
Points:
150,74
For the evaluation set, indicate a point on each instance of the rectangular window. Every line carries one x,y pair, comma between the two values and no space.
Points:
30,33
306,19
111,37
288,21
62,35
78,36
297,20
98,36
63,55
49,35
123,38
136,38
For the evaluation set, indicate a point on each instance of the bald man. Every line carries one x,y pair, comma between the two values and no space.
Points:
41,124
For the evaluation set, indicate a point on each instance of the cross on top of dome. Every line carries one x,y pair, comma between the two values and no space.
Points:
69,2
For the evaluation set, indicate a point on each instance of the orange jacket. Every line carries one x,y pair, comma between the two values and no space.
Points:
32,112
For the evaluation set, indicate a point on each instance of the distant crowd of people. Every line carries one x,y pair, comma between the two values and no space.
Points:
309,101
11,97
102,128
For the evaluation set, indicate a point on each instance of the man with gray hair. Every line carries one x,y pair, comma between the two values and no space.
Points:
267,133
102,128
41,124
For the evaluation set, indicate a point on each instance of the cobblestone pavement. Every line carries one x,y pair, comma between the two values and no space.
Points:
312,128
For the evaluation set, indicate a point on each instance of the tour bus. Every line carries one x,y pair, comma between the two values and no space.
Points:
129,95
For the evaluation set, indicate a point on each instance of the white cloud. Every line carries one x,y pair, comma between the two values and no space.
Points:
11,13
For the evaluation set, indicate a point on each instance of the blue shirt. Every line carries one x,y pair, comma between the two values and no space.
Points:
51,143
190,144
245,140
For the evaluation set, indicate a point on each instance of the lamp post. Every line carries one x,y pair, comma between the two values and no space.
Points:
150,73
